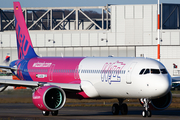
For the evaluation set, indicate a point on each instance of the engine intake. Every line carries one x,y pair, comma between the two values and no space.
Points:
162,102
49,98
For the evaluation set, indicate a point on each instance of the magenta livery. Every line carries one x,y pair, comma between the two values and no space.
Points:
32,67
53,79
42,69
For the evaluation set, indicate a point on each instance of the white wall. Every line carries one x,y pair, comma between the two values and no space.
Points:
131,25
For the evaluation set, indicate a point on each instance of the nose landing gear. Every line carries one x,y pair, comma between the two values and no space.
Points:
146,112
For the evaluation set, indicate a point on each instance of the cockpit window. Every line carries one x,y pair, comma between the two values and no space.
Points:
163,71
147,71
141,72
155,71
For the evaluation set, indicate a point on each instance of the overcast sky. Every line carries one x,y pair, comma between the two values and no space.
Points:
77,3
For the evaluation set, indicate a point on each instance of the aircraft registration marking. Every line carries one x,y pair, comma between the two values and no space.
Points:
41,75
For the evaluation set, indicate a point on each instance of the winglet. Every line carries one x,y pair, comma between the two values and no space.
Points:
24,44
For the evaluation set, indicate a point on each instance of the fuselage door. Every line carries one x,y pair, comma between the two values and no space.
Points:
76,73
51,71
129,73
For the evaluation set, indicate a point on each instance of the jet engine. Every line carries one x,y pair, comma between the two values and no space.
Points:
159,103
49,98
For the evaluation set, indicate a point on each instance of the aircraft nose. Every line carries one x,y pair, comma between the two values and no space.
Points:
164,85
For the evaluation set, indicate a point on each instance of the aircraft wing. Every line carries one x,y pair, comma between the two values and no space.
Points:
7,67
10,82
33,84
175,82
175,79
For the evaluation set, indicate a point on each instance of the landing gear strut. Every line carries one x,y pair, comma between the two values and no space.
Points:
146,112
121,107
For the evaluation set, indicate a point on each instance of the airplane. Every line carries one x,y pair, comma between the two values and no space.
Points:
6,61
7,58
53,79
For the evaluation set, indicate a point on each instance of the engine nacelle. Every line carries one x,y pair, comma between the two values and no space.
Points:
49,98
160,103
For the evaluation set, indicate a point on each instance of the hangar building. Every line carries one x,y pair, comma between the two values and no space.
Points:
112,30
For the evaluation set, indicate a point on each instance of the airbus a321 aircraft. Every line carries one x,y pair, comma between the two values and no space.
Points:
53,79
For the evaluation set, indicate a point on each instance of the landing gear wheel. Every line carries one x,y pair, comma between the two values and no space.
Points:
45,113
149,113
124,109
54,113
115,109
144,113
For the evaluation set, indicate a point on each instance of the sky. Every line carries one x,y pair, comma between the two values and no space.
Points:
78,3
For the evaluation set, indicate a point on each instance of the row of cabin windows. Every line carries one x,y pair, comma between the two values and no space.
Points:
104,71
77,71
36,70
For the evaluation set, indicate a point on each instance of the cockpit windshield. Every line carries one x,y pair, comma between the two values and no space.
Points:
147,71
155,71
152,71
163,71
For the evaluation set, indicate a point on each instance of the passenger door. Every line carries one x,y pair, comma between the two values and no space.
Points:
129,73
51,71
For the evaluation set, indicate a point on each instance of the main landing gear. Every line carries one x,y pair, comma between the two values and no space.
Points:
121,107
53,113
146,112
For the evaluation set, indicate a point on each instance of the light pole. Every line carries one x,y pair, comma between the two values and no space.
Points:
158,34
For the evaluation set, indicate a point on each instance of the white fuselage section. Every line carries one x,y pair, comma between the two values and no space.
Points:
121,78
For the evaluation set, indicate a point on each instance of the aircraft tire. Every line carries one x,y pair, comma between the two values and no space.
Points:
144,113
115,109
45,113
124,109
54,113
149,113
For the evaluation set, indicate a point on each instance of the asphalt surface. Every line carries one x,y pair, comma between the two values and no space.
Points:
30,112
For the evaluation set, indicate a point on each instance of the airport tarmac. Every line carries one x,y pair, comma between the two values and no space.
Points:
30,112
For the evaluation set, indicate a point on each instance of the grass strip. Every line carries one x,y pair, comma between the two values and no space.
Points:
25,96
